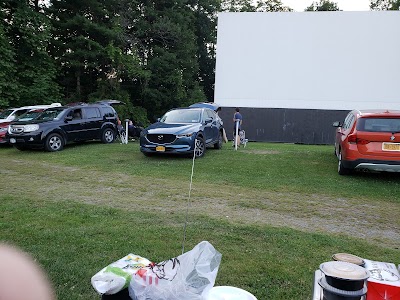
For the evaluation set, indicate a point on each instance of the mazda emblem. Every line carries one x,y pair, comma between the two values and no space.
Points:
160,137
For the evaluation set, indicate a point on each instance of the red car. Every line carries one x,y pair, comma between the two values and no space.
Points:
3,131
368,140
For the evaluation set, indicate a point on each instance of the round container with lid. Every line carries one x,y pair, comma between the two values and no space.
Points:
350,258
332,293
343,280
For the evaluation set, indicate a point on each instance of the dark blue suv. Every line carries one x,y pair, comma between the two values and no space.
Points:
183,131
57,126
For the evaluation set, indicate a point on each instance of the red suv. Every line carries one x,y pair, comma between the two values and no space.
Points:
368,140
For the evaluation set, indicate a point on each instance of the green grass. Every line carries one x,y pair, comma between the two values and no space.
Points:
268,166
73,239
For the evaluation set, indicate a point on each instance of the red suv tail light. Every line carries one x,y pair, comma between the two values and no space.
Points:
362,141
352,139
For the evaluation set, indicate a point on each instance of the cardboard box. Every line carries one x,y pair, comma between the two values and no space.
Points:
384,281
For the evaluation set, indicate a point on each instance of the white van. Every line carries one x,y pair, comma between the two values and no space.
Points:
9,114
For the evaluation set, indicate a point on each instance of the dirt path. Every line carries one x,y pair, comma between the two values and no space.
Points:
378,222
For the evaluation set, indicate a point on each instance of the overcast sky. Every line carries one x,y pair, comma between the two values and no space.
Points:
346,5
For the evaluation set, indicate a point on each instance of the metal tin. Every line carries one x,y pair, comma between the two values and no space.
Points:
350,258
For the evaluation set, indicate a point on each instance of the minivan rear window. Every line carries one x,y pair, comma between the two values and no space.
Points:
379,124
92,112
109,112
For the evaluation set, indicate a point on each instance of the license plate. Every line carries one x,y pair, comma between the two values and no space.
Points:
13,141
160,148
391,146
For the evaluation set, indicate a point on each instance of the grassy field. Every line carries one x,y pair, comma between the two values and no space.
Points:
274,211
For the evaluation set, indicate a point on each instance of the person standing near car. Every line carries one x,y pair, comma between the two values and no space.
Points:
222,123
237,122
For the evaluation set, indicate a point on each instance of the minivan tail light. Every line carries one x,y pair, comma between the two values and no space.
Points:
352,139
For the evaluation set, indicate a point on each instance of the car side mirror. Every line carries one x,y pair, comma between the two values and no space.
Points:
68,118
158,119
11,118
336,124
208,120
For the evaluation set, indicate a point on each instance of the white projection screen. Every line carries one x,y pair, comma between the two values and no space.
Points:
309,60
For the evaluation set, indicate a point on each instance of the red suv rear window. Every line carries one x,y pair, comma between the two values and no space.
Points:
379,124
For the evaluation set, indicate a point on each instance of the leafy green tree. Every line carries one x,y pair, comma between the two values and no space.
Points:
238,6
254,6
271,6
163,34
385,4
205,30
323,5
28,32
86,44
8,83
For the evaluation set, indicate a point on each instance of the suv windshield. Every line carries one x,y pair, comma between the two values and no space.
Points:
182,116
50,114
4,114
379,124
30,115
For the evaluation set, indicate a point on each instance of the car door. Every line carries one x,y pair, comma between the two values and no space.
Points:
210,126
344,131
74,125
93,122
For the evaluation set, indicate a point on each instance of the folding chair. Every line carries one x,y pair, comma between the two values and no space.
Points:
243,140
121,135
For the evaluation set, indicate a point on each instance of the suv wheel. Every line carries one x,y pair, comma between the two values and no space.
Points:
218,144
54,142
108,136
342,170
200,147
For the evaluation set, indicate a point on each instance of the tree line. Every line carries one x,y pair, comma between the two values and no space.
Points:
152,55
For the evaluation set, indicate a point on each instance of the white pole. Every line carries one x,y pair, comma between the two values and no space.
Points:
237,132
126,132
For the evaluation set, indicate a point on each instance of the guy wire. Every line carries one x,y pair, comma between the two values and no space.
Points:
188,201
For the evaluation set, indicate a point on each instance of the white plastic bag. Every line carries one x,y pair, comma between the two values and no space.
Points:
188,276
118,275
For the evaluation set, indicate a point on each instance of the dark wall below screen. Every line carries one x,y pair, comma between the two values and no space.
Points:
302,126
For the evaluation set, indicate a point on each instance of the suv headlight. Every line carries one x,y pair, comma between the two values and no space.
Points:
2,129
184,135
31,127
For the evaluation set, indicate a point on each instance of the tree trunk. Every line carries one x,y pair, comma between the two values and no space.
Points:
78,84
36,3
